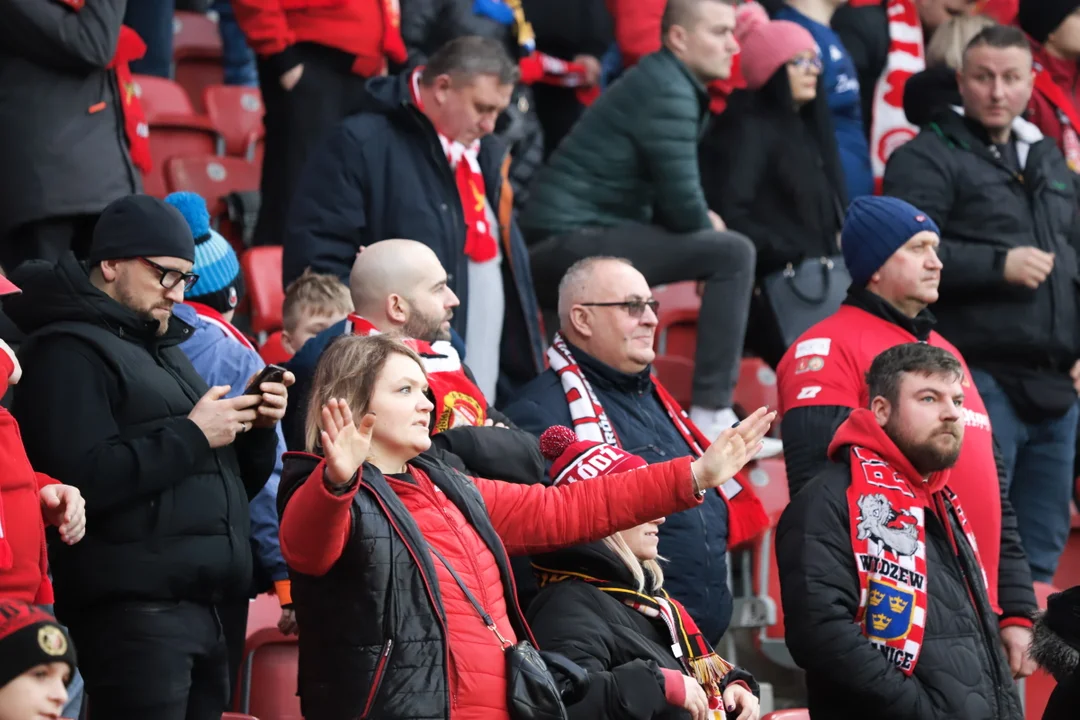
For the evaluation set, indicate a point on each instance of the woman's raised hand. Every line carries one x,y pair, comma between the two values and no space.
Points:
732,450
345,445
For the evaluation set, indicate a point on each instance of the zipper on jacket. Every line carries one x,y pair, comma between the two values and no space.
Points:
376,681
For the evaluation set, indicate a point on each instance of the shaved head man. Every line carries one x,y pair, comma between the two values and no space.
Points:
401,288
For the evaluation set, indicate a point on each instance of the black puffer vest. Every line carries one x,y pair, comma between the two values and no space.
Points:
373,641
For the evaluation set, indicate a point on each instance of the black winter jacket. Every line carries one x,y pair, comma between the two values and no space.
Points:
398,667
1057,650
695,540
382,174
103,406
58,157
622,650
427,25
961,673
984,210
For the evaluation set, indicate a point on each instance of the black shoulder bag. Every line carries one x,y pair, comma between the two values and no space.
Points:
532,693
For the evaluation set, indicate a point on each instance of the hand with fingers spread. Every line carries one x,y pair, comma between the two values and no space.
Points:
345,446
738,699
63,506
273,401
221,419
732,450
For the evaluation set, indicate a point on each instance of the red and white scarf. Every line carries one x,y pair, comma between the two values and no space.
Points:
480,243
458,401
746,516
889,127
218,320
888,537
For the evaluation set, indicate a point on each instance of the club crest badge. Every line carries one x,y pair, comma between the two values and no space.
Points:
889,611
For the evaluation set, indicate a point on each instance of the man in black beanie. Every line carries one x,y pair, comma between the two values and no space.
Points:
1054,29
167,466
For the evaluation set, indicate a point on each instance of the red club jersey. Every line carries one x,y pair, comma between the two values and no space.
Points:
827,366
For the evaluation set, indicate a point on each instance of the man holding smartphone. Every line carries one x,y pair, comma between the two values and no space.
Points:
109,404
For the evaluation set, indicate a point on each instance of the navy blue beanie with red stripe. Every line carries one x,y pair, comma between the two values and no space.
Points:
874,229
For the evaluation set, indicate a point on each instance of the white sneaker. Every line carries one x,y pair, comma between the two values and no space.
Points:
713,422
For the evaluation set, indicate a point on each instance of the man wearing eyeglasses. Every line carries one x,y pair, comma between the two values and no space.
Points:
110,404
600,383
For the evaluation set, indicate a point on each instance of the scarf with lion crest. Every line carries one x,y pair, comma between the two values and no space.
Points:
888,537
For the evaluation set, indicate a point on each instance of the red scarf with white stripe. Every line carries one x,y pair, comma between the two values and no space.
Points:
458,401
889,127
480,243
215,318
746,516
887,505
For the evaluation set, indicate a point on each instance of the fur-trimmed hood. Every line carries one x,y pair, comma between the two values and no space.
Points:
1056,646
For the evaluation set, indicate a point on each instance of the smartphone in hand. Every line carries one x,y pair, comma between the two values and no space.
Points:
270,373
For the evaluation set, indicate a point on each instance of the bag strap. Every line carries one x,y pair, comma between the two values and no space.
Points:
484,616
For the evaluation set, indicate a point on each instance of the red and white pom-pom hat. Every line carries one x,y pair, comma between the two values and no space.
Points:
573,460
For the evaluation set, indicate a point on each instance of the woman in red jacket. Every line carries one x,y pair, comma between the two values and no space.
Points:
372,532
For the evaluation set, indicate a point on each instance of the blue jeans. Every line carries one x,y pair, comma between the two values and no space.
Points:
238,60
1039,463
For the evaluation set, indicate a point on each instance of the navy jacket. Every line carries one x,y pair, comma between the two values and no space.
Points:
382,174
693,541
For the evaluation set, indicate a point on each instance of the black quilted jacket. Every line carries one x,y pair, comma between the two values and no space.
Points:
961,673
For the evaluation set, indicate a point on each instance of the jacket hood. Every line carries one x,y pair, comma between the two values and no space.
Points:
388,93
928,93
1056,646
63,293
862,429
594,560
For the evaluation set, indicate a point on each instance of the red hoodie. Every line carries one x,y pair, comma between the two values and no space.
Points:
20,505
1056,98
528,518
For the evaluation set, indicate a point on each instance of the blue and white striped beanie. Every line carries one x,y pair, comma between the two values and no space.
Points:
220,285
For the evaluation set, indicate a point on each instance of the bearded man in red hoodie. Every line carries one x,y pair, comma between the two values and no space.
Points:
28,500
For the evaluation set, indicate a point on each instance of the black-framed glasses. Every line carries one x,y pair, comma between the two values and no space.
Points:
634,308
171,278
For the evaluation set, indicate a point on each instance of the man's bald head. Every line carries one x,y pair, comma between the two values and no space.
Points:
400,284
578,283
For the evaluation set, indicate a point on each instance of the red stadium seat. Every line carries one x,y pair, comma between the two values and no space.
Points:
756,387
677,375
269,673
197,54
236,716
175,136
793,714
161,96
262,275
272,351
214,178
237,113
676,333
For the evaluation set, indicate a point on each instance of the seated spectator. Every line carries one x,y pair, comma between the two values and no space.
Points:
841,86
1054,29
109,404
892,255
1006,204
770,166
400,289
313,59
884,60
72,133
222,355
885,605
367,623
604,606
935,89
380,175
601,384
625,182
38,662
28,500
1057,650
313,302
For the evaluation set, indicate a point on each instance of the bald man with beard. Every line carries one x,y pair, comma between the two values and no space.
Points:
400,288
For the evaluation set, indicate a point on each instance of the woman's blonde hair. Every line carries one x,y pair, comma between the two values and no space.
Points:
348,369
636,567
950,39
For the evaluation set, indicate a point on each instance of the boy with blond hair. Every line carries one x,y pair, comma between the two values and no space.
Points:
313,302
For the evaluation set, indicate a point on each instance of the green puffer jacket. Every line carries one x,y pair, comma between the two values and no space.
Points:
631,158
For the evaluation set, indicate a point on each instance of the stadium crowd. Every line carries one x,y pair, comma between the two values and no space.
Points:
476,460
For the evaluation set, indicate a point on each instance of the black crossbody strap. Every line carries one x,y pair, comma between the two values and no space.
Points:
484,616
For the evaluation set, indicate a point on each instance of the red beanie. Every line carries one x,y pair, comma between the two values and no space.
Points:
767,45
573,460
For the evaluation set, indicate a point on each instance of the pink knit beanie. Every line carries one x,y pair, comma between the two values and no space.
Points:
767,45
